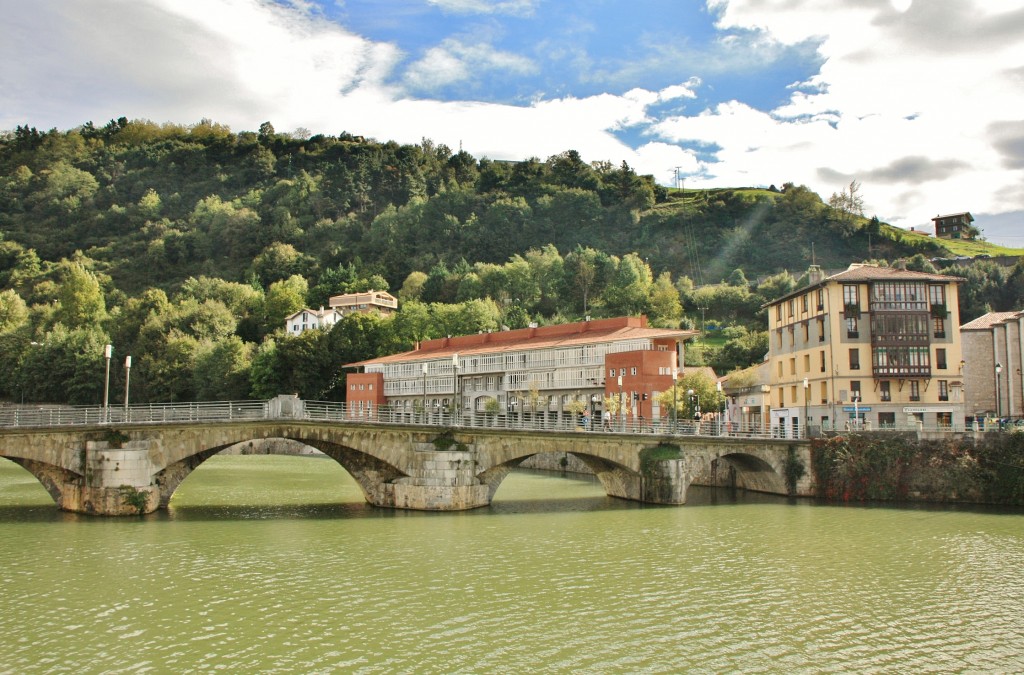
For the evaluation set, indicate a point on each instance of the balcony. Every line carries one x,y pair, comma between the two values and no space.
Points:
901,371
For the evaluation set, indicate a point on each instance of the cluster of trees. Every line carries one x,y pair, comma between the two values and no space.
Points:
186,247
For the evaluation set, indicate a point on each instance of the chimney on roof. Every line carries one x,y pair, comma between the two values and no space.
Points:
814,275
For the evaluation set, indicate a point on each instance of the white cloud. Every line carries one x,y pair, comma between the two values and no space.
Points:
511,7
901,83
919,101
456,61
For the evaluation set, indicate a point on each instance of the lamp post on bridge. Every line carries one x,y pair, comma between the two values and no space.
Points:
456,403
127,379
108,351
622,419
765,391
675,400
425,368
807,416
999,395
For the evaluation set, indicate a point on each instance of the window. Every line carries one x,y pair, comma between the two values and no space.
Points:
792,336
940,359
943,390
851,327
632,371
611,372
887,419
803,303
822,355
778,312
821,299
855,391
939,327
824,392
807,332
792,366
780,368
915,390
792,307
884,392
854,359
821,330
850,296
937,296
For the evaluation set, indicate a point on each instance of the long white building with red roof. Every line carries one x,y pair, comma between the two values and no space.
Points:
537,371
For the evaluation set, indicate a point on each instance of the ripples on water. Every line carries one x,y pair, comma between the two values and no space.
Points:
276,565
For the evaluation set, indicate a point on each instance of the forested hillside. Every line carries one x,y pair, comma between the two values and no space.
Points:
186,247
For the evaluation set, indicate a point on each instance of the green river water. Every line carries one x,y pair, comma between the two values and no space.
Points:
274,564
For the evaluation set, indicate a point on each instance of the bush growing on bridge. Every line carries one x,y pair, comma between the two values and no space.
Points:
447,441
659,453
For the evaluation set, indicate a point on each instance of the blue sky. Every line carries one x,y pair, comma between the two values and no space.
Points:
917,100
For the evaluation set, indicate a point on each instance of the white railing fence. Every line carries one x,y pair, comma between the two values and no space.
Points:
288,407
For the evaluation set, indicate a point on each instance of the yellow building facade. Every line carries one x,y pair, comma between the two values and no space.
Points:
867,348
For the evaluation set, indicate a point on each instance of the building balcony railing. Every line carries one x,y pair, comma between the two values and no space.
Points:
900,339
902,371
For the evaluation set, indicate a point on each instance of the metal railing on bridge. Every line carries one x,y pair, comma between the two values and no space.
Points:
288,407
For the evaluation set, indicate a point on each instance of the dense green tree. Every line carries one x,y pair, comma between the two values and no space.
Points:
222,369
665,308
630,289
284,298
80,296
13,310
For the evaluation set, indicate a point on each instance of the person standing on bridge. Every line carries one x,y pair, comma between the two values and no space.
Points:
607,420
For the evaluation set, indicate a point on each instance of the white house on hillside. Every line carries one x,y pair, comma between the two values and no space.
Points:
310,319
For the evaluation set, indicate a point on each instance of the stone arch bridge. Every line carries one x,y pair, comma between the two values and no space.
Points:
127,467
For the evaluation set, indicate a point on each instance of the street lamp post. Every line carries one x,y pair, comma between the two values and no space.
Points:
721,425
456,403
425,368
127,379
675,401
765,391
999,394
108,351
807,415
694,400
622,419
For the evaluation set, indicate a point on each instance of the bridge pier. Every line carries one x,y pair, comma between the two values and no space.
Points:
661,482
440,480
116,481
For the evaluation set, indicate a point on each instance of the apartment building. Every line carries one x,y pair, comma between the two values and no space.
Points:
869,347
379,301
535,372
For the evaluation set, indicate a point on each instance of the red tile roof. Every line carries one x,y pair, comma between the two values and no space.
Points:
989,320
545,337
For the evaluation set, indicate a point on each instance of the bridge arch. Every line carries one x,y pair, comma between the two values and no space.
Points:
744,470
371,473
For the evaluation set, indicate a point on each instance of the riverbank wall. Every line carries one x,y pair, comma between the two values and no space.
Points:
986,468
